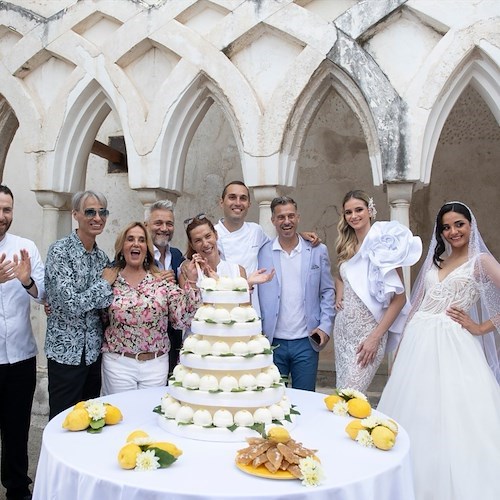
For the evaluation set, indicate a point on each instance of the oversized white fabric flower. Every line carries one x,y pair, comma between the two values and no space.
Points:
312,471
147,460
388,245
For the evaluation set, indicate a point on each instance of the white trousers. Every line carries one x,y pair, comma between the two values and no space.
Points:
120,373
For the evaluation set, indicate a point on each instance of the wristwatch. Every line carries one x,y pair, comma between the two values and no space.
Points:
29,285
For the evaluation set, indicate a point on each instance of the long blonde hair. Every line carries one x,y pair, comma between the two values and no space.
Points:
346,242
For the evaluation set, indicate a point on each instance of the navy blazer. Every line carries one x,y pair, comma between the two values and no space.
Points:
317,281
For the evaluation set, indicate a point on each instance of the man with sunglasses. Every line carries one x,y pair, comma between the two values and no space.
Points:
78,285
161,224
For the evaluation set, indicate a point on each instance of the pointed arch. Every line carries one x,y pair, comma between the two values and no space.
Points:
328,77
183,121
478,71
81,124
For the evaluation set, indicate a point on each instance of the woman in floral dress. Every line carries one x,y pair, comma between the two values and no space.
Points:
136,344
370,298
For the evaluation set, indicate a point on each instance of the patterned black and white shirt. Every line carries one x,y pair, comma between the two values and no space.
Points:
76,292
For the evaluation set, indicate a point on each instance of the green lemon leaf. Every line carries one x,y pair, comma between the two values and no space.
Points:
165,458
97,424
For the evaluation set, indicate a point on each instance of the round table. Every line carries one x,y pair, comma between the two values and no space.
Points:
84,466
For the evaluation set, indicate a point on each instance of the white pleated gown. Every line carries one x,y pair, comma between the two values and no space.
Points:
444,394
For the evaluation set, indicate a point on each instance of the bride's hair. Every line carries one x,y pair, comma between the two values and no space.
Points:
345,245
440,248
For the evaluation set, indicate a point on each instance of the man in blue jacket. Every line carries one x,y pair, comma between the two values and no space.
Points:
297,305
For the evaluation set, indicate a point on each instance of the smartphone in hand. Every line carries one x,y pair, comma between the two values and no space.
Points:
316,338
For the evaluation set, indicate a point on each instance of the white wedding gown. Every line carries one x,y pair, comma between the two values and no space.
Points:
444,394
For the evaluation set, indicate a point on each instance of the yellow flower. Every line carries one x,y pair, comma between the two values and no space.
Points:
76,420
359,408
127,456
383,438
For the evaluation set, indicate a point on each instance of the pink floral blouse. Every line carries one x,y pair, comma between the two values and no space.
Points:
138,317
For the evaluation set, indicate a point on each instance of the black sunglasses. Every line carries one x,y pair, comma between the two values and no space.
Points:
199,217
90,213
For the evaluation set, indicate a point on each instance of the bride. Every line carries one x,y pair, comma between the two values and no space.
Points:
442,390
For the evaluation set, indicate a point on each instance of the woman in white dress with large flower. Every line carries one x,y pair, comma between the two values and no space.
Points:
370,296
443,388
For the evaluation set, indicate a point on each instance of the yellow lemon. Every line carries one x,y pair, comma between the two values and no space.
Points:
359,408
278,435
353,427
168,447
331,401
76,420
127,456
113,415
383,438
137,434
81,404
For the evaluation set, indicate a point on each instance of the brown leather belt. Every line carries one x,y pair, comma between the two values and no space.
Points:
143,356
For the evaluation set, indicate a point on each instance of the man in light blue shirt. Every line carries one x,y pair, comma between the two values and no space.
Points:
297,305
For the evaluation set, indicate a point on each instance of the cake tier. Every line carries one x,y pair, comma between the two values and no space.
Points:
226,330
250,399
221,363
225,297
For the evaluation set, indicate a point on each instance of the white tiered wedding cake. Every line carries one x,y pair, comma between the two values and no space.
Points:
226,386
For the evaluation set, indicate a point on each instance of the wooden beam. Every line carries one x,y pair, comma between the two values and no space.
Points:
107,152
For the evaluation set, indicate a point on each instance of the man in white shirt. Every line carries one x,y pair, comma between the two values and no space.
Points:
21,279
161,224
297,305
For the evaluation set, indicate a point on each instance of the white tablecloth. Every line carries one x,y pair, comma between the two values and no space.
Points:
83,466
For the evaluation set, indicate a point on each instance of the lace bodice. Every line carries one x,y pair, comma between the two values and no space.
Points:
459,288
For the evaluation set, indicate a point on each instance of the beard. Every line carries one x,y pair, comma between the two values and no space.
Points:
4,228
161,241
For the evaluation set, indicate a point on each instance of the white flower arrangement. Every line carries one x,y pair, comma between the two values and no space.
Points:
312,471
95,409
349,393
364,438
340,408
147,460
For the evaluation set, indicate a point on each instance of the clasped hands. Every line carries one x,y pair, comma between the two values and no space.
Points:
19,267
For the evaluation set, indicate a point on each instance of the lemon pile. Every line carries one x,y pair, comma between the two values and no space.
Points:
79,419
383,432
139,441
356,406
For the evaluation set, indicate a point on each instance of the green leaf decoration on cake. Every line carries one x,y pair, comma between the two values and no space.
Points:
260,428
240,289
157,409
226,354
211,321
293,411
267,351
238,389
249,355
232,428
214,391
259,388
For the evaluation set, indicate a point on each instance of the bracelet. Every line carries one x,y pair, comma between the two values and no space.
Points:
29,285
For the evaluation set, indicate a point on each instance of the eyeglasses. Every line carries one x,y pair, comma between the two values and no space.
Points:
200,216
90,213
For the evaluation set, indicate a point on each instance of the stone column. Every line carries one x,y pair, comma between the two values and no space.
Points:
150,195
56,223
263,196
399,198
